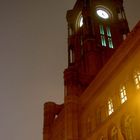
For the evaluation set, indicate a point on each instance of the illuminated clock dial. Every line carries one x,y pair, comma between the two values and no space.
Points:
102,13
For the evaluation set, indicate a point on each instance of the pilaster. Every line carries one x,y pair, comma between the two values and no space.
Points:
71,117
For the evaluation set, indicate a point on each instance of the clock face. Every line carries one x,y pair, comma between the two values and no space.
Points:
102,13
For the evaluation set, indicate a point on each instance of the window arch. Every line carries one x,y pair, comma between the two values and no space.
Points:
136,77
106,37
102,34
123,95
110,106
79,20
71,55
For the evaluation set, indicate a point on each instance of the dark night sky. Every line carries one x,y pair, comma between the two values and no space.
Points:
33,55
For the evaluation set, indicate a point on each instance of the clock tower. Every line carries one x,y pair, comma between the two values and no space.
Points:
96,28
102,80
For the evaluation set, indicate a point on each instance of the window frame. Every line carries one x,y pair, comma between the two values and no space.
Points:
136,78
123,94
110,106
105,35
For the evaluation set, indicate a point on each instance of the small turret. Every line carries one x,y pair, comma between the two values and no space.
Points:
51,110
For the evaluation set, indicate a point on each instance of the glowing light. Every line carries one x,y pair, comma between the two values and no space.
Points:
102,14
123,94
110,107
81,21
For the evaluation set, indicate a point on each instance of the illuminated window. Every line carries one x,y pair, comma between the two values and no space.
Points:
81,21
110,43
103,41
137,80
71,56
123,94
102,30
110,107
108,31
106,34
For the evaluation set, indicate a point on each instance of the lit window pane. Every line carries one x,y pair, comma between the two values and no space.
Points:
123,94
103,40
137,80
81,21
102,30
110,43
110,107
108,31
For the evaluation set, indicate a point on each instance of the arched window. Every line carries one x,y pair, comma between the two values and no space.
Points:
71,55
106,38
137,79
110,107
110,43
102,33
79,21
123,95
